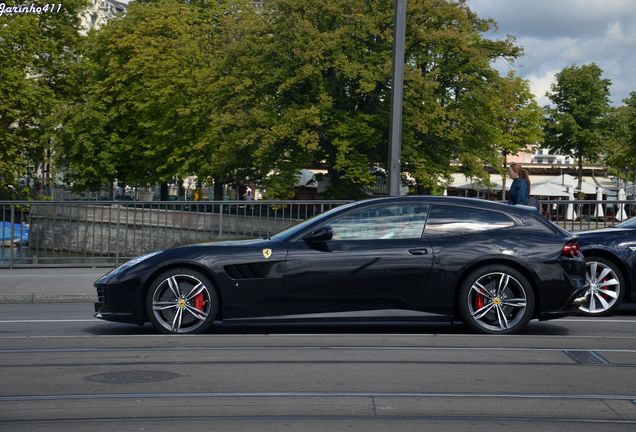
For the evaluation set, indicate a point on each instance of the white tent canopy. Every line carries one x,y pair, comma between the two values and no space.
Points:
549,190
460,181
568,180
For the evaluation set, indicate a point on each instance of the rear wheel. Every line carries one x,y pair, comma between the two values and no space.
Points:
181,301
496,299
607,287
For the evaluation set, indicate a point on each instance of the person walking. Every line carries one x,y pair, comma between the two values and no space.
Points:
520,187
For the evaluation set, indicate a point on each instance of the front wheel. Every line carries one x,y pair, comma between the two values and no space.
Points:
606,287
181,301
496,299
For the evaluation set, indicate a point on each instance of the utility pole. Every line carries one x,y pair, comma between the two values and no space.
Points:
397,85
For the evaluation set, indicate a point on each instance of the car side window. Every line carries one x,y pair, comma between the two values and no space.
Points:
450,220
397,221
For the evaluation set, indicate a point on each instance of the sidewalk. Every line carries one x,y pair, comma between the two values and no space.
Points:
49,285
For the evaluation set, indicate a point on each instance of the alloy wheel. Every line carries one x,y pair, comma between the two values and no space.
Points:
181,303
605,288
497,302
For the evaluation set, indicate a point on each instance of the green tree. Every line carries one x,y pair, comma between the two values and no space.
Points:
518,117
147,109
621,139
310,82
36,53
575,124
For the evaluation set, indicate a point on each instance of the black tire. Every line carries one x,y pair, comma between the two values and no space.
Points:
192,311
485,300
606,294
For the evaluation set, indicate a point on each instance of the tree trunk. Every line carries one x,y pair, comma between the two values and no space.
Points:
580,172
180,190
218,190
163,192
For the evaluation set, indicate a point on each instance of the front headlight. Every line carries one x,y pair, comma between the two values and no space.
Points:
128,264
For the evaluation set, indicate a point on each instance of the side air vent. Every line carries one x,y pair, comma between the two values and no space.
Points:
246,271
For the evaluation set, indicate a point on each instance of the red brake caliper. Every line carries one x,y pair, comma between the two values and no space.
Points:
199,302
605,296
479,301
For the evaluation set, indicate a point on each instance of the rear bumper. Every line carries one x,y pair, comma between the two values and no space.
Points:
570,307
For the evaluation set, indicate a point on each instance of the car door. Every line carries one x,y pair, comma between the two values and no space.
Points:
376,259
459,235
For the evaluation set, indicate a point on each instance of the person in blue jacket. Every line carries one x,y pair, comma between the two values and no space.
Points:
520,188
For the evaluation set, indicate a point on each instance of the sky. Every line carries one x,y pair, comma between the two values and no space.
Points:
559,33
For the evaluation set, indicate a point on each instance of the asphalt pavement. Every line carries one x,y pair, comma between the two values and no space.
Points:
63,370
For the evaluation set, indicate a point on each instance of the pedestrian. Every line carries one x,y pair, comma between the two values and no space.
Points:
520,187
248,195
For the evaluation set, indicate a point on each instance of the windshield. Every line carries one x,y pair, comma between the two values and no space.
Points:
291,232
630,223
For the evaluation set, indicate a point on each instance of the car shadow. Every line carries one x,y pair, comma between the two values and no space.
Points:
535,328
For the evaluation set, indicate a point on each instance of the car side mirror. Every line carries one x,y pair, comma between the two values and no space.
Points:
322,234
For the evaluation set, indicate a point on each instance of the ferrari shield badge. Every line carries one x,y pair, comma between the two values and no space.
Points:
267,253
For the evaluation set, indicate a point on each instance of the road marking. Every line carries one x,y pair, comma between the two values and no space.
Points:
590,320
595,320
304,348
176,395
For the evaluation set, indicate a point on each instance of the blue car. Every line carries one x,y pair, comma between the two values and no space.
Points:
610,256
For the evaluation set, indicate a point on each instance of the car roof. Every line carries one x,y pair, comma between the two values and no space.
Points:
452,200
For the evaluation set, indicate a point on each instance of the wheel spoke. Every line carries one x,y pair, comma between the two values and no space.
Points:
481,312
160,306
197,313
503,284
611,282
592,302
501,317
515,302
593,270
604,273
481,290
604,302
198,289
174,287
609,293
176,322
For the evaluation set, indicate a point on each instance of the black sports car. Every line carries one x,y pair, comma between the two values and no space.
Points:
610,256
488,264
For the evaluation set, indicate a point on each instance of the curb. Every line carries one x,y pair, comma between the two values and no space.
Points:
44,298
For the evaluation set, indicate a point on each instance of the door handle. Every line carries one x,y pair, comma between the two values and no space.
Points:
419,251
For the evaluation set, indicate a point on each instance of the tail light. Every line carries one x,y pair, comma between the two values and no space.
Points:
571,249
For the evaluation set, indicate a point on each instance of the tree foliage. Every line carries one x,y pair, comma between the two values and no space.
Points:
211,88
575,123
37,52
146,99
313,82
621,139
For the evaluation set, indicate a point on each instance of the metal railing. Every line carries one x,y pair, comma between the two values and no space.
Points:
107,233
584,215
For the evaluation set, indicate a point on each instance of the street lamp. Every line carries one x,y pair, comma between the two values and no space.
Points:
397,85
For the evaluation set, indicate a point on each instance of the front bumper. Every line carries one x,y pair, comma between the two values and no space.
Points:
118,304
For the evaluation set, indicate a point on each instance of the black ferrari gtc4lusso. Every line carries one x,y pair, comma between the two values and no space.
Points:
490,265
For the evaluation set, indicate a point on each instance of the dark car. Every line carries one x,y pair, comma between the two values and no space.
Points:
610,256
490,265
